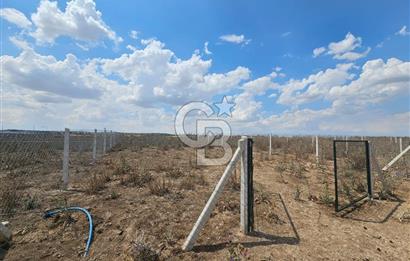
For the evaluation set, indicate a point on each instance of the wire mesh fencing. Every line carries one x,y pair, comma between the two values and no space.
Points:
32,163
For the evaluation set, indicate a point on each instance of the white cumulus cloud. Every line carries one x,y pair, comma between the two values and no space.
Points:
15,17
80,20
158,76
344,49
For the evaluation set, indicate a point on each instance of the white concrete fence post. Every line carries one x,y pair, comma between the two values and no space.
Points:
317,149
347,145
110,139
95,146
270,145
401,144
240,153
396,158
66,158
105,142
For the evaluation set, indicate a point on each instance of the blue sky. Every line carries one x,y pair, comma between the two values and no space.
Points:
362,79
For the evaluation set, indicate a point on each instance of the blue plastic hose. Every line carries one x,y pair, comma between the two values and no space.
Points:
52,212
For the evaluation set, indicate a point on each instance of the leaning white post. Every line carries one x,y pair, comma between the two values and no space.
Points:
95,146
66,157
270,144
105,141
210,205
317,149
242,144
401,144
396,158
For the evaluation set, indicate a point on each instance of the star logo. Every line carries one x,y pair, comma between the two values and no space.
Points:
225,107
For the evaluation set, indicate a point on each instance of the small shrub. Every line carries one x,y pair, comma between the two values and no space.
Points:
296,194
325,197
30,202
122,168
114,195
94,183
174,173
237,253
272,216
356,161
138,178
141,251
188,183
159,187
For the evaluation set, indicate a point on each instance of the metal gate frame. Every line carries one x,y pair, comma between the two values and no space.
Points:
250,186
368,171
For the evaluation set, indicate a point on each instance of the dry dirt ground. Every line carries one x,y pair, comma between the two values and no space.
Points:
140,216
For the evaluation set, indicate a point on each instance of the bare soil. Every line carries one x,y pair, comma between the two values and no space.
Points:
294,217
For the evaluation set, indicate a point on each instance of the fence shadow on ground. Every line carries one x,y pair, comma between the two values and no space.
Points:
375,211
263,239
3,253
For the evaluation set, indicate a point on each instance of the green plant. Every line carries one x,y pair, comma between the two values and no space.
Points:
297,193
114,195
325,197
30,202
122,168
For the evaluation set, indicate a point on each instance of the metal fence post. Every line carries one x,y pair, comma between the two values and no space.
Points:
270,145
105,141
369,173
246,211
95,146
66,156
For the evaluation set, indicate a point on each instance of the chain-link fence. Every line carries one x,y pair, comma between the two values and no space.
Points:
32,163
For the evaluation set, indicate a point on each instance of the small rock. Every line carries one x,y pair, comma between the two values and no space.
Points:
118,232
5,234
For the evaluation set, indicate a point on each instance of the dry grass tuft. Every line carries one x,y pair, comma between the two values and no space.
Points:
95,183
159,187
137,178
